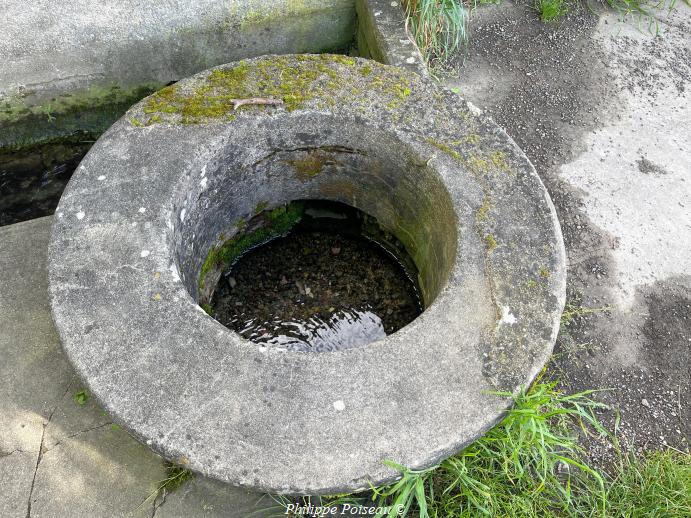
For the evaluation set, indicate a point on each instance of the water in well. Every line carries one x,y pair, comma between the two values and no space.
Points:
334,282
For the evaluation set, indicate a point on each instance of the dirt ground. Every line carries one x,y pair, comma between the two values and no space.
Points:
571,94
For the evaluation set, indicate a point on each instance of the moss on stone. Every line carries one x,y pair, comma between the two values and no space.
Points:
311,165
445,148
295,80
276,222
483,211
544,272
340,58
91,111
154,119
16,107
491,242
261,206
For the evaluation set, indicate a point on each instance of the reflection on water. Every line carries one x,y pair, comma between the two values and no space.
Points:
343,330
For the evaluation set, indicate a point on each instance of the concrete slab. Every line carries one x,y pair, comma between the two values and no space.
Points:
601,108
59,458
16,475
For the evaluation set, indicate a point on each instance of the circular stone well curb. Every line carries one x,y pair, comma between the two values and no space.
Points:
181,173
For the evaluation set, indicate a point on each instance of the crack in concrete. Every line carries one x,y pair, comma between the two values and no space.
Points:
40,448
156,506
4,454
76,434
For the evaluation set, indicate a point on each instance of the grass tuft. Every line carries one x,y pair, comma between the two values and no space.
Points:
527,465
550,10
531,465
176,476
439,27
657,486
573,311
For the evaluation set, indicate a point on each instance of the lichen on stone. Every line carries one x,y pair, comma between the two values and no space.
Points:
446,148
498,158
483,211
491,242
293,80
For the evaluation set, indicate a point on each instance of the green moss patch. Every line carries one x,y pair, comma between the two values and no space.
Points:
90,111
271,223
294,80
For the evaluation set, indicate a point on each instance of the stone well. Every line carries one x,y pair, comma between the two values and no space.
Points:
177,178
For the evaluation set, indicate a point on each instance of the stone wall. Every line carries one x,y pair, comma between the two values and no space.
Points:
75,66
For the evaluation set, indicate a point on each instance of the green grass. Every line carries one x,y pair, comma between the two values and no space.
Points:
657,486
81,397
527,465
639,11
176,476
440,27
531,465
573,311
550,10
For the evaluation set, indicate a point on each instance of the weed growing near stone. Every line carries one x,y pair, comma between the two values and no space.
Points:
573,311
81,397
176,476
531,465
439,26
550,10
527,465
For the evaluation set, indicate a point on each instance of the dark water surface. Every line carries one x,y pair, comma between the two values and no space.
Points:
32,181
322,287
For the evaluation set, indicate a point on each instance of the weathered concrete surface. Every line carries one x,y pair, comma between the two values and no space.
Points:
183,171
99,57
382,35
602,109
87,467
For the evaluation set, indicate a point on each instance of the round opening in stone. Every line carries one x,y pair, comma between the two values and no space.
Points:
392,221
143,230
334,280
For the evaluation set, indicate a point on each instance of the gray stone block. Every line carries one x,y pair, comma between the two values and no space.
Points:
174,179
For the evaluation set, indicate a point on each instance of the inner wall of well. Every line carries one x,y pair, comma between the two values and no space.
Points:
363,167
